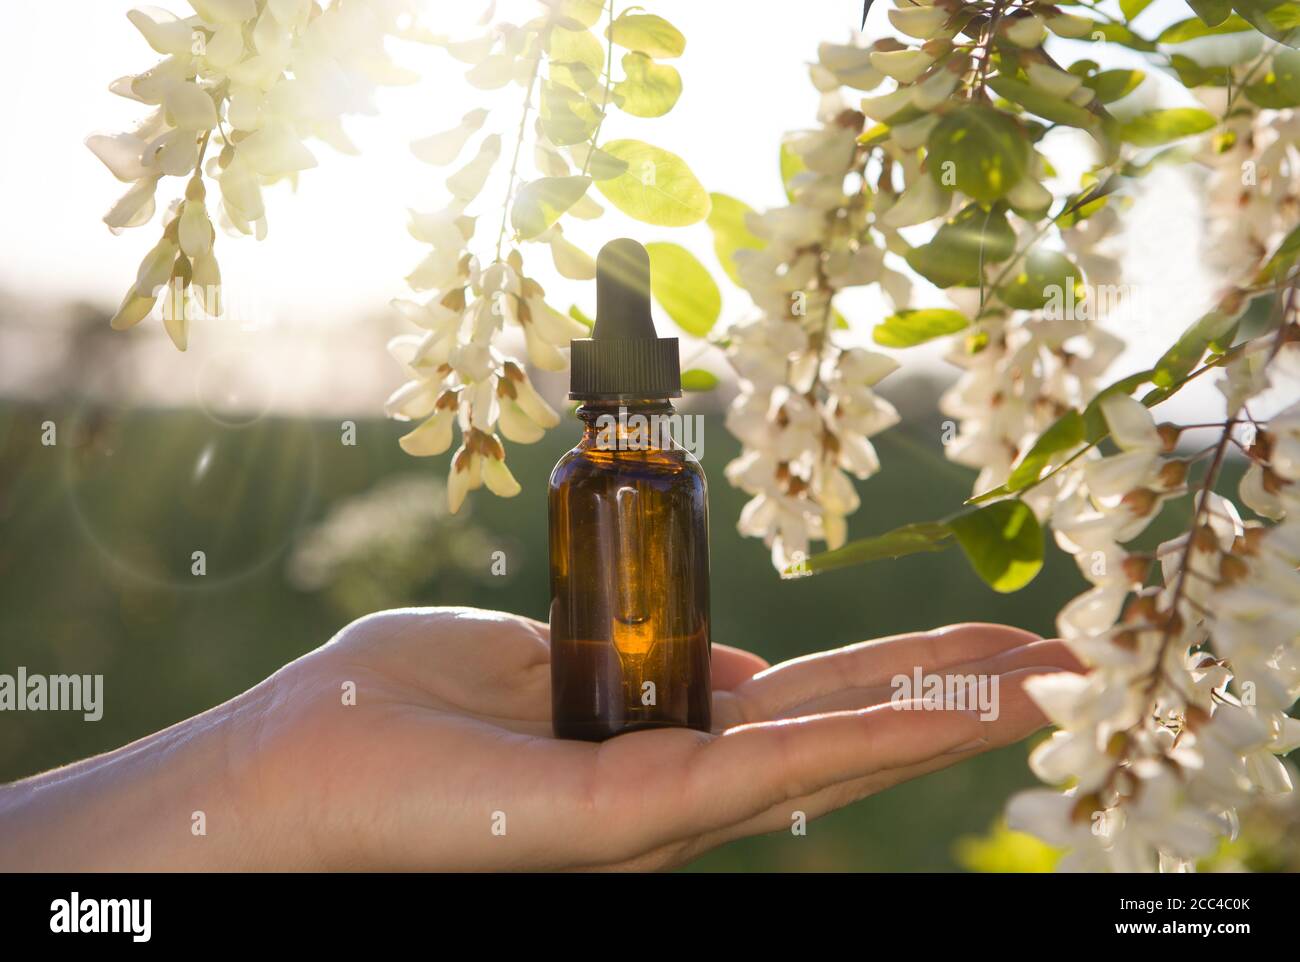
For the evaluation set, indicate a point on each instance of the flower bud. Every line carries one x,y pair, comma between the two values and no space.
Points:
1172,474
156,267
1135,568
1125,639
195,229
1140,501
1205,540
1086,806
1232,569
1025,31
920,22
134,309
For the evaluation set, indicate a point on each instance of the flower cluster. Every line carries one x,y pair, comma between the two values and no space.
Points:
460,374
248,80
1252,185
1183,713
462,370
1168,733
806,408
1019,375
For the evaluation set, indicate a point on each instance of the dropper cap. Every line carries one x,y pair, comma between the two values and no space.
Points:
624,358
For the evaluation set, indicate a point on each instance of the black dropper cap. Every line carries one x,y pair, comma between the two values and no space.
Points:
624,358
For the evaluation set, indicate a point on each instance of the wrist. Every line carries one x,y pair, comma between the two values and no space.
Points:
177,800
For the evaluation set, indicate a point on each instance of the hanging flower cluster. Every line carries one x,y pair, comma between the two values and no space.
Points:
1252,184
807,409
462,371
938,151
1184,714
1194,647
247,81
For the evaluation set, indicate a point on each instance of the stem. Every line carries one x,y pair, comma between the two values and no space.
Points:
1083,199
203,150
1184,567
1263,58
609,83
985,46
519,142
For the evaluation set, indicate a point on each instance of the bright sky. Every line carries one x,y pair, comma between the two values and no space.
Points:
338,248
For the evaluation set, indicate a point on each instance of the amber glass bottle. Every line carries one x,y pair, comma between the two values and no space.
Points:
628,531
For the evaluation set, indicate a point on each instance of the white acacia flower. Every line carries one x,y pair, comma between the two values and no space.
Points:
483,314
240,87
807,406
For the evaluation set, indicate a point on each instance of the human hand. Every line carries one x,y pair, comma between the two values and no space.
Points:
446,760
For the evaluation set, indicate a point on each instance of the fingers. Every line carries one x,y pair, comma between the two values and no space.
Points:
871,664
668,786
1046,655
1017,718
731,666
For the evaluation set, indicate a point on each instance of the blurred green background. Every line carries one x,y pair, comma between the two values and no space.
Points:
302,533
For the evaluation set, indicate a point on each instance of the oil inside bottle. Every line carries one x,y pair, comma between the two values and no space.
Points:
629,588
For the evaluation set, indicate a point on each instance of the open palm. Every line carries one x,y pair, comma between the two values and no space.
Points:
446,758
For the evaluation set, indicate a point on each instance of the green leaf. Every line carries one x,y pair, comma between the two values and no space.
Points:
1131,8
1122,35
648,34
730,232
911,327
1179,360
697,379
909,539
1192,74
657,187
568,117
1003,543
973,239
682,285
576,46
649,89
791,166
1277,19
1158,127
1211,12
1044,276
1271,95
582,13
600,165
1045,105
1065,433
1283,258
1111,85
979,149
540,203
1193,28
1286,74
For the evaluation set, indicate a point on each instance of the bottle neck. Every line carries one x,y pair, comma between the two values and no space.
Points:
640,424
